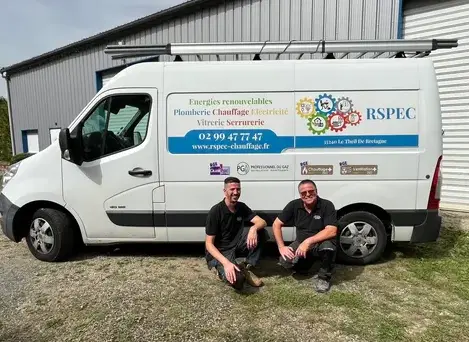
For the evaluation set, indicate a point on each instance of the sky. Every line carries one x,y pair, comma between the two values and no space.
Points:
31,27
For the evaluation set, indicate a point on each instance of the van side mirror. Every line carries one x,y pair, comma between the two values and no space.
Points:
70,147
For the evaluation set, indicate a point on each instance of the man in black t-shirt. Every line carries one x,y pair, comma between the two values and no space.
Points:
227,238
315,220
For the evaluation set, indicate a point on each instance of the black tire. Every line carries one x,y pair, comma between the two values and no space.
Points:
61,230
377,232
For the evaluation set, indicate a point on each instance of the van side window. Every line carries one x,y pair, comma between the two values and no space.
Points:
118,123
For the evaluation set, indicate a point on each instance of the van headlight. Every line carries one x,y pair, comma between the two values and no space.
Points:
10,173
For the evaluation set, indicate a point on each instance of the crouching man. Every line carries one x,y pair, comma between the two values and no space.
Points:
316,230
227,238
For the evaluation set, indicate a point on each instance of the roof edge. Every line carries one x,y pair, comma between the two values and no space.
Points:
109,35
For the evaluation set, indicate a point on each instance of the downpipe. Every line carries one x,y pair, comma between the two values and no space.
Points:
10,117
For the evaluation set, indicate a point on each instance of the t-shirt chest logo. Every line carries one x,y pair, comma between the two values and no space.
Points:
239,218
317,217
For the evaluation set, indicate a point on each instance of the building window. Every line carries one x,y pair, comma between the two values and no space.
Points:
54,134
30,141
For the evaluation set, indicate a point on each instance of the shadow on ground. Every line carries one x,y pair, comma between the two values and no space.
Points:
451,236
268,267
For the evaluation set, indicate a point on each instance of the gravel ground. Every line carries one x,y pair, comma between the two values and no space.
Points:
166,293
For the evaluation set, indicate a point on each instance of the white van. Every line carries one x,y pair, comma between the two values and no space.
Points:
146,158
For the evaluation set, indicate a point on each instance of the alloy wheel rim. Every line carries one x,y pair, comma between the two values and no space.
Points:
41,236
358,239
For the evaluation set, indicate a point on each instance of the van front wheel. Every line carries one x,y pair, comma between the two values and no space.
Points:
362,238
50,235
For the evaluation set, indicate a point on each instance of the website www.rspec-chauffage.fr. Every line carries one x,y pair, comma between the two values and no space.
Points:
234,146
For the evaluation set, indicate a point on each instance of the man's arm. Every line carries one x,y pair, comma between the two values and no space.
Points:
248,215
327,233
258,224
228,266
211,229
210,245
212,226
285,216
277,230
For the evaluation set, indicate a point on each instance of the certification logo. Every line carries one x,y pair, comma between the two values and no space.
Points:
243,168
359,170
218,169
322,170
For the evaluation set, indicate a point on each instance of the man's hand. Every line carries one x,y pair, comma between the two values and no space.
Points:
302,249
230,272
286,252
252,238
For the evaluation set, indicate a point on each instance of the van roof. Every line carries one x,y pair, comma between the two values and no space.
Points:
144,74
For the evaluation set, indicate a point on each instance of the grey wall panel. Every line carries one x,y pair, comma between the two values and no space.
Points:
56,92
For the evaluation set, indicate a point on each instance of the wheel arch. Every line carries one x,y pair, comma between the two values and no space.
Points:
374,209
24,214
375,213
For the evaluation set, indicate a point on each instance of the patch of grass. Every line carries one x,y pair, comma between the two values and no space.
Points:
445,331
442,265
353,301
54,322
390,329
420,295
246,334
41,301
374,324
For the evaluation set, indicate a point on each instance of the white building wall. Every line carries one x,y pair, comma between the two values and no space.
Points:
448,19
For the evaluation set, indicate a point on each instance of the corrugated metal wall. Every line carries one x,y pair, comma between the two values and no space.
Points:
448,20
52,95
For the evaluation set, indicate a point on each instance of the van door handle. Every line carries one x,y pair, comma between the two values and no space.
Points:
140,172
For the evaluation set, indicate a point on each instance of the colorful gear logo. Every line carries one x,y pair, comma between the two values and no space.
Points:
305,107
318,124
344,105
325,104
337,122
353,118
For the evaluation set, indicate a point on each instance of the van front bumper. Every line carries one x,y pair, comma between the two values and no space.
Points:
7,212
427,224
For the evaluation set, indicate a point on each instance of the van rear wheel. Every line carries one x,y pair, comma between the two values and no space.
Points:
50,235
362,238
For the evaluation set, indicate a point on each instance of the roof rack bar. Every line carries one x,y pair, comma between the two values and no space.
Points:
421,54
296,47
376,55
131,55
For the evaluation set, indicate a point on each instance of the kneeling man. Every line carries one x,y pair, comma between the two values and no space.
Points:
316,231
228,239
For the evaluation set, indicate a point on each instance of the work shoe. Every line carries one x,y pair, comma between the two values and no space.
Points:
251,278
322,285
217,274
